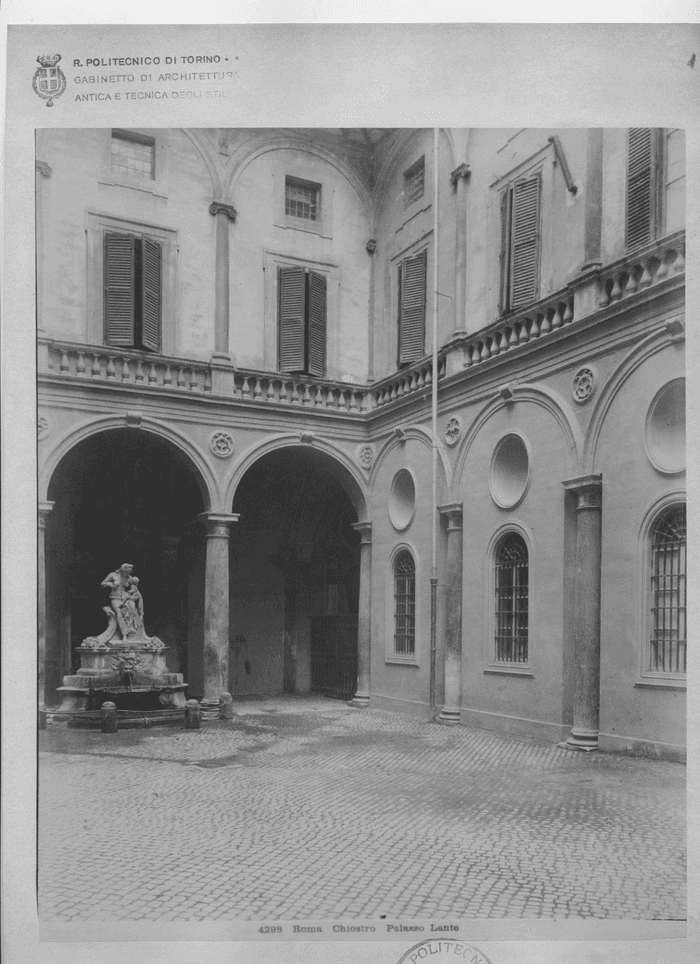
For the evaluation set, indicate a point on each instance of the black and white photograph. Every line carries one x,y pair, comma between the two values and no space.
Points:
361,590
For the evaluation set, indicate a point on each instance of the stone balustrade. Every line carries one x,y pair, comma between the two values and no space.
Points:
642,269
300,390
537,321
120,366
405,382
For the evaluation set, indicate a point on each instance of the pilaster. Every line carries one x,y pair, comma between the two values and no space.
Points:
364,625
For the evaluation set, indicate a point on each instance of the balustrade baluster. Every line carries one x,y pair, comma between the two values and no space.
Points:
485,352
662,270
513,340
631,285
152,374
180,378
545,325
535,327
306,398
194,380
428,377
603,296
476,354
126,370
319,400
569,312
283,390
679,263
111,370
168,377
96,367
646,278
341,400
295,392
503,346
207,381
270,395
80,370
64,363
257,389
557,320
140,376
616,292
524,336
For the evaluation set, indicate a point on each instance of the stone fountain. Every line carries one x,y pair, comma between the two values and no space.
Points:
123,665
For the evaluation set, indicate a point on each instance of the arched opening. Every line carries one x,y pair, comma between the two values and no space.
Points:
295,563
120,496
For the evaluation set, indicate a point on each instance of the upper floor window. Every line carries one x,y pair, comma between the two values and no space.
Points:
132,285
404,604
666,653
655,183
519,256
133,154
302,199
511,603
414,182
301,321
411,304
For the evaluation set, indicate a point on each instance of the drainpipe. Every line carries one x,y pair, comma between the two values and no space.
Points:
433,563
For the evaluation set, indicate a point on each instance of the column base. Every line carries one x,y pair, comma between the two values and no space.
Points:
210,709
582,740
449,716
359,701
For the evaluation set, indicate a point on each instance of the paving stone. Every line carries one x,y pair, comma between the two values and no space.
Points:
303,808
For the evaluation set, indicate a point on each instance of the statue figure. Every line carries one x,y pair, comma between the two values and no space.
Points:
126,600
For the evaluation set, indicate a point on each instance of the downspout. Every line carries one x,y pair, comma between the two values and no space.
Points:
433,563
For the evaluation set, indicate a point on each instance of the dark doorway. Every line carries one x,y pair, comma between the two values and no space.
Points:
122,496
295,579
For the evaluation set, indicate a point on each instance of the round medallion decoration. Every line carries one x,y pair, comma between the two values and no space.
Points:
402,499
42,427
453,430
221,445
510,471
583,384
665,428
365,456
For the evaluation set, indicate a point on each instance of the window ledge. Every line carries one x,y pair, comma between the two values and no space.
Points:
134,186
510,671
401,661
662,684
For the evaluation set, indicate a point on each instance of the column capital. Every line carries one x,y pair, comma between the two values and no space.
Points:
452,513
588,489
217,525
44,509
365,530
460,173
220,207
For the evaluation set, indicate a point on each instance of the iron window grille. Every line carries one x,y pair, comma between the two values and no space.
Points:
414,182
511,566
667,644
302,199
404,604
134,154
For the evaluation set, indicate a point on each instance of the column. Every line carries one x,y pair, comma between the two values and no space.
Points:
364,619
216,609
588,492
222,373
43,171
452,514
44,509
594,199
458,180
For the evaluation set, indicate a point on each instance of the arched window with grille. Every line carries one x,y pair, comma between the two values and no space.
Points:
511,584
404,604
666,652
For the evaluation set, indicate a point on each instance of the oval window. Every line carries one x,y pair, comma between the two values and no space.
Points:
510,471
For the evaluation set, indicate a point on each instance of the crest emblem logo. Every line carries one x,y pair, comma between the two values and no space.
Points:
49,80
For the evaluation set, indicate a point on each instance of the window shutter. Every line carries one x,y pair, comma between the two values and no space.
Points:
151,295
641,176
526,241
504,256
292,311
412,309
119,256
317,324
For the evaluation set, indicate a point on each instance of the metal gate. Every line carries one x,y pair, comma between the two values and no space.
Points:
334,656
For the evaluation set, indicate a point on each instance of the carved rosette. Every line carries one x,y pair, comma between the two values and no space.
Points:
221,445
42,427
583,384
453,430
365,456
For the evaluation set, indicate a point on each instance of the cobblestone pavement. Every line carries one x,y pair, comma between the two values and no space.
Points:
308,809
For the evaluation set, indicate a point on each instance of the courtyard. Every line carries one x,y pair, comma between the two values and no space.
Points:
305,809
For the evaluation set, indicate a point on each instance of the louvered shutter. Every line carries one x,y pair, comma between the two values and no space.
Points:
641,177
119,256
525,241
151,294
317,324
504,256
412,309
292,313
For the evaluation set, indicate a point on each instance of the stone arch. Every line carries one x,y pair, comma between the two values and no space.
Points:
392,162
264,143
200,146
653,343
538,395
337,462
421,435
202,472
